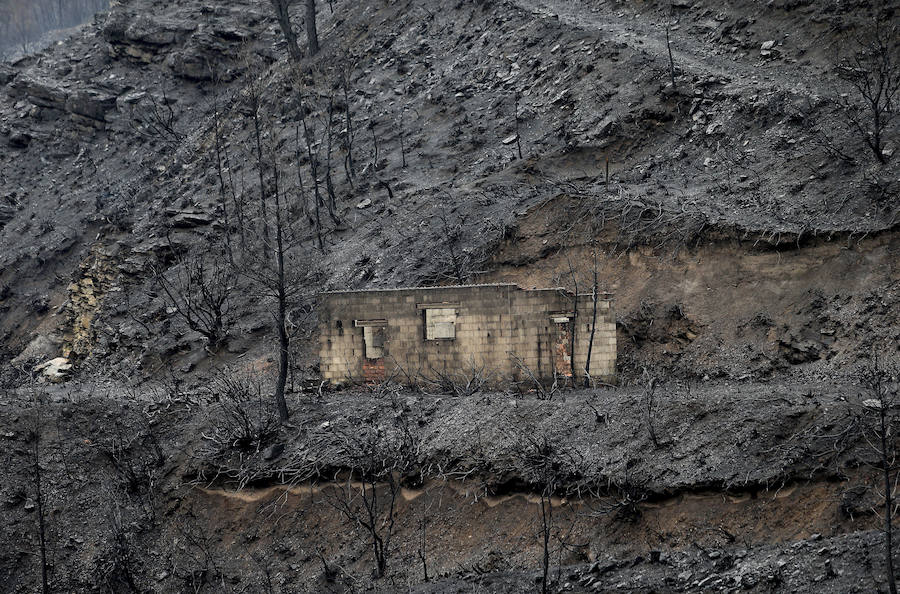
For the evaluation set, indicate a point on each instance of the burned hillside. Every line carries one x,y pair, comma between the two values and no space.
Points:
179,181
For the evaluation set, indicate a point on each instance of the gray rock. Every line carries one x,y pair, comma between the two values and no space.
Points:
273,451
149,31
142,37
123,102
90,104
7,74
191,65
55,370
40,347
798,351
19,139
7,212
40,92
607,126
189,218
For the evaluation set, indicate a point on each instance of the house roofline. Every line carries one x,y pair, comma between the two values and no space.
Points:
445,287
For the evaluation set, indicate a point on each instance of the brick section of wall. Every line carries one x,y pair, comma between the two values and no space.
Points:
493,323
373,370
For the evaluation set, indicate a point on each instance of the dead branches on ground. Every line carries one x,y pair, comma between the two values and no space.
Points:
466,382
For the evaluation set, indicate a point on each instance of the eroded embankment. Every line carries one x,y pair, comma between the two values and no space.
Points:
717,302
103,460
454,527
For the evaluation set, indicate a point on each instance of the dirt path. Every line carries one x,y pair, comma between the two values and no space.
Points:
690,54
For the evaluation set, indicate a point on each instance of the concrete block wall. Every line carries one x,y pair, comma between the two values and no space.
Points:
492,323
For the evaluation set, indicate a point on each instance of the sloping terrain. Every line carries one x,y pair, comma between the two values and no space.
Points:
149,491
110,164
750,239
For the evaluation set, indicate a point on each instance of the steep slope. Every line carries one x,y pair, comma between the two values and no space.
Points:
731,152
753,268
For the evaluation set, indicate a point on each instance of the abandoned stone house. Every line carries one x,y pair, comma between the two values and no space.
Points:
501,330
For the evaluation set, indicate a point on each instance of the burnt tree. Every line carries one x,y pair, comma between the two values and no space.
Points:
273,260
379,459
880,420
312,33
34,437
199,289
871,67
287,29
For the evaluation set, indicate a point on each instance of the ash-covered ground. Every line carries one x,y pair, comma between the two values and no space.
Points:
741,219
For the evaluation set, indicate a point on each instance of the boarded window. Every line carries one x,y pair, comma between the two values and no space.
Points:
374,338
440,323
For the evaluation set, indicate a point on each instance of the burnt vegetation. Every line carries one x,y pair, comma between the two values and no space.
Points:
180,181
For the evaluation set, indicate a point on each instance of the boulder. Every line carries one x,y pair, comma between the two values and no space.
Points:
857,501
90,104
191,65
41,347
205,53
273,451
7,74
797,350
231,33
142,37
138,53
129,100
19,139
123,28
40,92
607,126
149,31
7,212
116,25
55,370
185,219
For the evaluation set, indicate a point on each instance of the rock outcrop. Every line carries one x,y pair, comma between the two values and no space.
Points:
55,370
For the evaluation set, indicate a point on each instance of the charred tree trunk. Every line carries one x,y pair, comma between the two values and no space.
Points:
281,316
329,185
348,162
402,143
518,135
888,498
669,49
39,502
590,348
223,194
304,203
312,33
284,21
375,143
317,195
546,526
260,167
